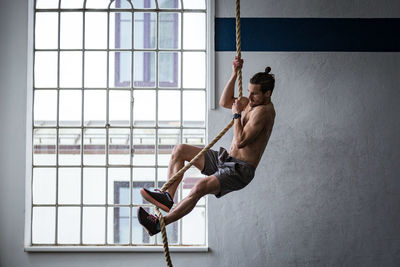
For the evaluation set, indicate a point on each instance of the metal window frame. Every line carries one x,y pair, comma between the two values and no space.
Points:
210,99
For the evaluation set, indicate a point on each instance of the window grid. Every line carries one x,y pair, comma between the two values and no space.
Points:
83,127
131,131
181,115
156,84
57,122
107,124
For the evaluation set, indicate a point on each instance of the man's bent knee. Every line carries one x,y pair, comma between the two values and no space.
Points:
178,151
209,185
185,152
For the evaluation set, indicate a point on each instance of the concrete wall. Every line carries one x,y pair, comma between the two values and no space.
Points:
327,190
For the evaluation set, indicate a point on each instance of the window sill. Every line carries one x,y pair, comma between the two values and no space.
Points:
114,249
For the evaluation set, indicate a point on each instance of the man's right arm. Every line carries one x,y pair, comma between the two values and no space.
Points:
227,98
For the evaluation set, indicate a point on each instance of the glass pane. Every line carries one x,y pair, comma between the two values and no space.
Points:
71,24
93,225
69,147
70,108
194,4
120,69
120,107
45,108
194,39
45,4
194,108
97,3
44,146
169,32
167,139
95,107
69,185
45,69
145,30
142,177
194,70
144,4
71,3
169,3
144,108
144,69
43,225
120,30
118,225
69,224
70,69
118,185
46,30
194,227
169,69
94,147
139,234
194,137
96,30
44,186
96,69
162,174
121,4
94,185
144,141
169,106
118,147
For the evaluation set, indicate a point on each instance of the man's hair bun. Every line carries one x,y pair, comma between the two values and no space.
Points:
265,79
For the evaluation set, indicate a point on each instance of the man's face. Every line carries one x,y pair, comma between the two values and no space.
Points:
256,96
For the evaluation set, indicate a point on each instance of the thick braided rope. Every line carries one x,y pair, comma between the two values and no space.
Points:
238,46
177,175
164,237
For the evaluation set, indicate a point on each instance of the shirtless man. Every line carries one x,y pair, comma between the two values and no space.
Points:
254,118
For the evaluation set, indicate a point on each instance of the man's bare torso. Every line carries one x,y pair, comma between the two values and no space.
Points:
253,151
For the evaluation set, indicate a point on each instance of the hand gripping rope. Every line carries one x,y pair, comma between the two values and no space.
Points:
187,166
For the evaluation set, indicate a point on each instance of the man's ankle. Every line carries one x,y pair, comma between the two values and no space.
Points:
169,195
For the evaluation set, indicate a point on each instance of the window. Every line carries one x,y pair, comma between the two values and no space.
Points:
117,84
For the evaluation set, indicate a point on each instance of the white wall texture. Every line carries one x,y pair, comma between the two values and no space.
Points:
326,192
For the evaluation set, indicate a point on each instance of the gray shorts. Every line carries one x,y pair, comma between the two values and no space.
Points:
233,174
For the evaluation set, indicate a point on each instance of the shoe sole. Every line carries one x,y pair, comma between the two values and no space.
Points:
150,199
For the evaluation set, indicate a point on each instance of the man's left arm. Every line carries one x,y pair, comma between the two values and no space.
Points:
247,134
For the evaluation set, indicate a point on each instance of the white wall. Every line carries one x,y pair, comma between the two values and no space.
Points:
326,192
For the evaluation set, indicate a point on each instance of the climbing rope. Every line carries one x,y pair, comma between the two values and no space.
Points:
177,175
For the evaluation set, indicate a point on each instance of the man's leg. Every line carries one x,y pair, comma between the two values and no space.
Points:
208,185
180,154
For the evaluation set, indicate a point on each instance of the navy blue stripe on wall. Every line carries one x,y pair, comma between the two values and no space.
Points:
310,34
